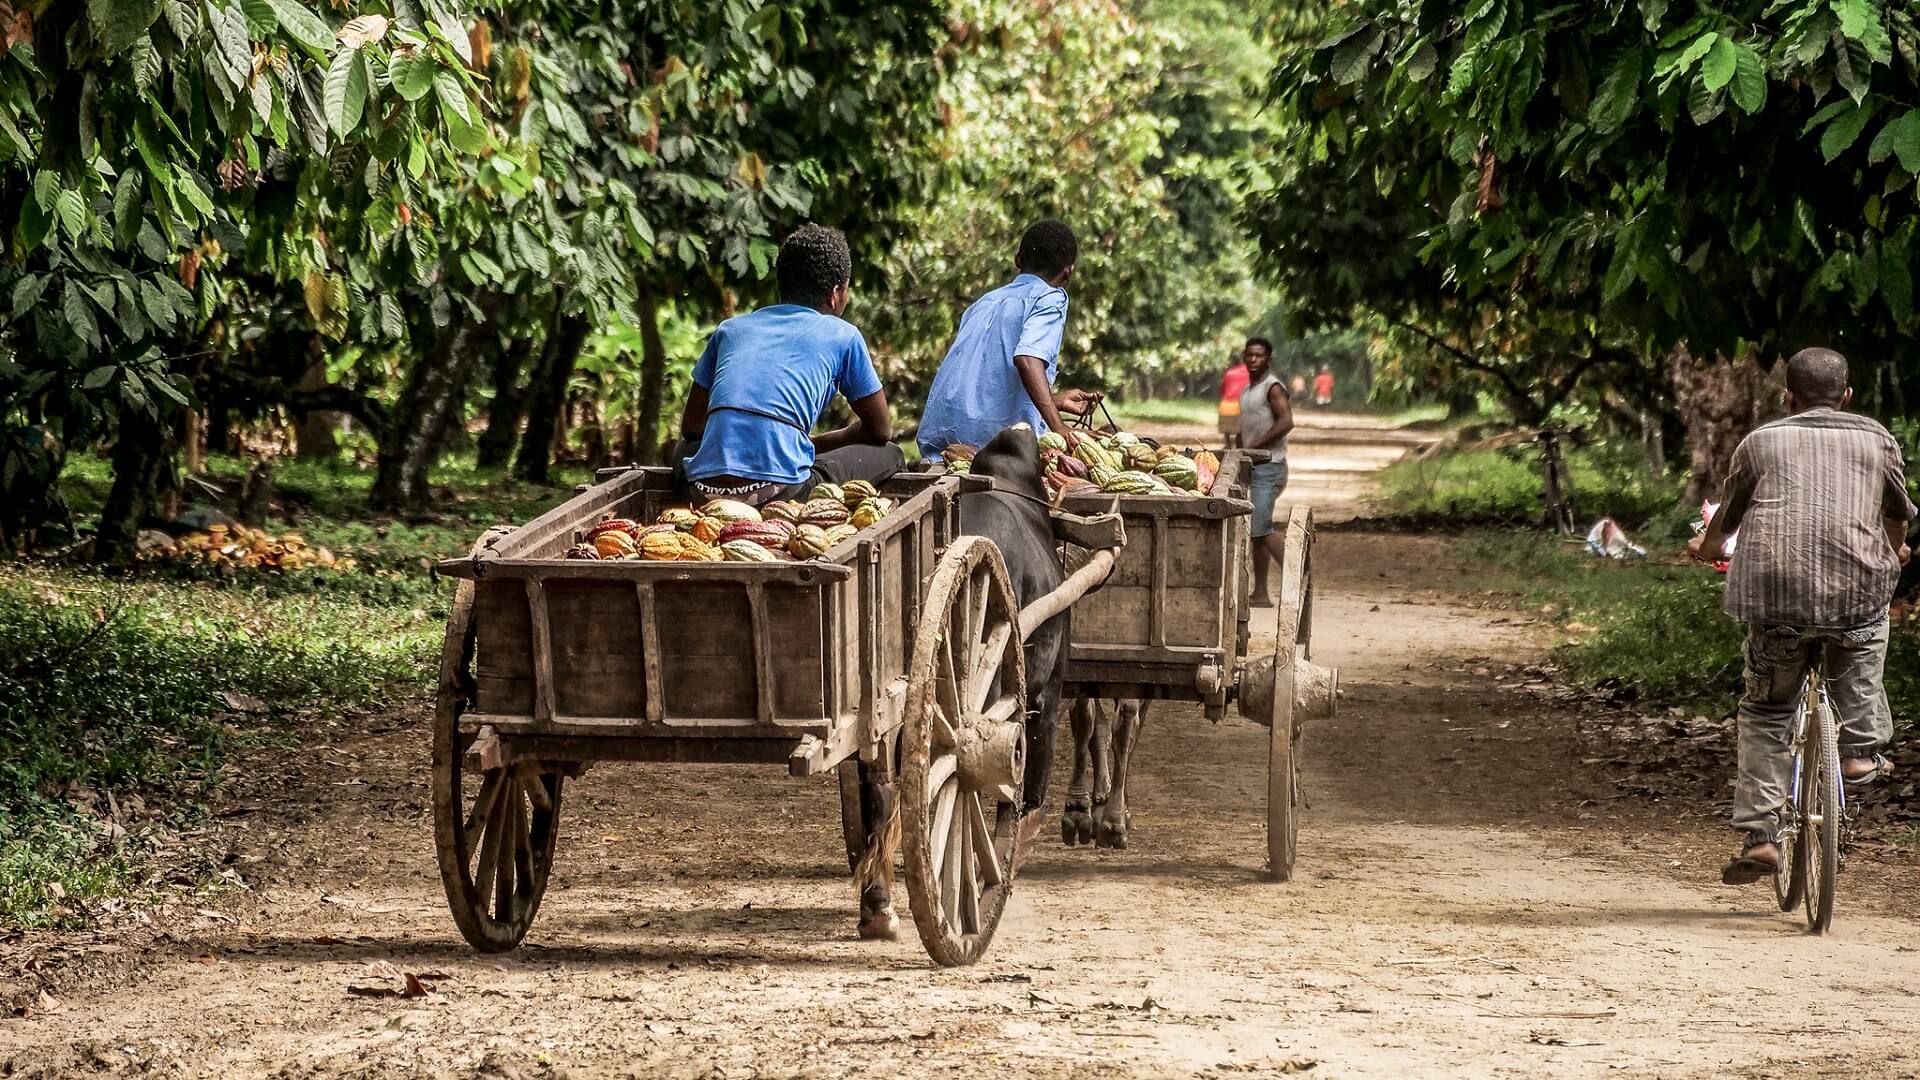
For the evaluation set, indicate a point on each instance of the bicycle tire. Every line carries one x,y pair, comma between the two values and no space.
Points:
1790,877
1824,800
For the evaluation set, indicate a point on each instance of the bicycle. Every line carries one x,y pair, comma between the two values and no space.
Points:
1811,841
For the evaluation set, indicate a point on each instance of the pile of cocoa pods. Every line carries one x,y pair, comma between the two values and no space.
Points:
726,530
1119,464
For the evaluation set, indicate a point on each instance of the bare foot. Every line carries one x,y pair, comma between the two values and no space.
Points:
1752,864
1857,769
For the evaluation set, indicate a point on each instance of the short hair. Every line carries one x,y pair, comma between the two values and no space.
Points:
1817,377
1047,248
1263,343
813,261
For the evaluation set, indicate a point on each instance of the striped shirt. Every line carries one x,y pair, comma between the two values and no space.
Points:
1810,494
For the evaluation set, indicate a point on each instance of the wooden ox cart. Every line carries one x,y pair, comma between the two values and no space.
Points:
900,648
1171,623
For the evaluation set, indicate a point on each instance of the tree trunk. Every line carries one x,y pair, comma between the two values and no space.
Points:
1653,444
429,404
140,477
653,376
1719,401
548,393
316,435
1462,401
496,444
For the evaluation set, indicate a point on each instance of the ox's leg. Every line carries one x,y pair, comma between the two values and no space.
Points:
880,818
1076,820
1112,820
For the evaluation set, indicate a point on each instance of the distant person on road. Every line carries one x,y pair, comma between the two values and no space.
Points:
999,371
1820,501
1266,418
765,377
1231,385
1323,387
1297,386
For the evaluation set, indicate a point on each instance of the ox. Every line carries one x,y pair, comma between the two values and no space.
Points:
1014,515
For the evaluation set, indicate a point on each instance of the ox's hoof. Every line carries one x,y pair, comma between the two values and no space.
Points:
882,925
1076,823
1111,828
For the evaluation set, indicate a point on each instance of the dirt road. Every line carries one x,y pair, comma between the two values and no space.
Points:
1470,901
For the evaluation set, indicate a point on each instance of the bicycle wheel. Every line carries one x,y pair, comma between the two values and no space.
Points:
1823,800
1790,877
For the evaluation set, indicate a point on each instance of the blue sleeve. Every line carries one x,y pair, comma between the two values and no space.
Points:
857,378
703,367
1046,324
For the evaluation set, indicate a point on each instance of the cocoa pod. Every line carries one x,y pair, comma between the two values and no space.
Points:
827,491
781,510
679,517
613,544
870,512
840,534
729,511
611,524
772,535
707,529
582,551
855,492
823,512
746,551
808,541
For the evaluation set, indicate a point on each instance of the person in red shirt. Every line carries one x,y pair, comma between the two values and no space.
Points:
1323,386
1231,386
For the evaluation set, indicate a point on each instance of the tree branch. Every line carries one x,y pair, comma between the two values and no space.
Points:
372,414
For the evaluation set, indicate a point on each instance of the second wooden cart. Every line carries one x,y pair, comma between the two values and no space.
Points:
1172,623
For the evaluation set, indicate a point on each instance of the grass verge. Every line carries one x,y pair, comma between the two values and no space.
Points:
1502,488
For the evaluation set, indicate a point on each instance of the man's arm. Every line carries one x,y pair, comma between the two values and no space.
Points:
872,425
1711,546
1282,407
1896,508
693,419
1033,376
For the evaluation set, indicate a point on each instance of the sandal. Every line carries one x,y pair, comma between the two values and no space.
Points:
1881,767
1745,869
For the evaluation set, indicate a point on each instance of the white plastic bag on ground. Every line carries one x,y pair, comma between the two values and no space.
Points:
1608,540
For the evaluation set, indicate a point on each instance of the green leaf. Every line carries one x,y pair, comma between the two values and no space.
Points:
167,389
303,26
531,250
79,316
412,76
26,292
1651,12
1613,102
1749,81
1900,136
120,23
1619,277
344,94
1844,131
1861,21
453,96
159,308
127,197
195,191
449,27
21,149
1421,64
152,244
391,324
1832,110
1704,105
72,209
1896,274
1691,55
1721,62
1352,56
262,19
99,377
234,48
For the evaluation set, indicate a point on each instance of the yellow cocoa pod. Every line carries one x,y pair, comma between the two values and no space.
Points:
808,541
707,529
662,546
728,511
840,534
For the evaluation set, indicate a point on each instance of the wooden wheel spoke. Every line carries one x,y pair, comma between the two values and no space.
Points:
509,858
978,597
1003,709
482,808
945,793
951,874
968,883
496,828
984,852
947,681
945,735
987,665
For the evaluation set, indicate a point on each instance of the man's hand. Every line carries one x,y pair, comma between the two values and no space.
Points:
1077,402
1697,548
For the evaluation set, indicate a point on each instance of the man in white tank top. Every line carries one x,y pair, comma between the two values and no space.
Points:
1266,418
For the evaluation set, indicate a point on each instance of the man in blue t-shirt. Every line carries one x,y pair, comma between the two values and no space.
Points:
1000,369
765,378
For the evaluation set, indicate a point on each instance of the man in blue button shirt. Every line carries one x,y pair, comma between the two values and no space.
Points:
1000,369
765,378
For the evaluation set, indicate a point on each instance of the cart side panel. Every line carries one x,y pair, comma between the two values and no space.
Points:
503,656
598,657
1167,589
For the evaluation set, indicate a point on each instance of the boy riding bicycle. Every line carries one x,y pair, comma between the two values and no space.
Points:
1820,501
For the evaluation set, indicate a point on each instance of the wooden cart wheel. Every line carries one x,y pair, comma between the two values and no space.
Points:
964,748
1297,687
494,828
